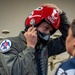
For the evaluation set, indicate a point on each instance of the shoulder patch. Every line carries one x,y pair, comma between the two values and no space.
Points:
5,45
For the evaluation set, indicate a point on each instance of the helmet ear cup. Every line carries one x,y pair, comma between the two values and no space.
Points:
49,14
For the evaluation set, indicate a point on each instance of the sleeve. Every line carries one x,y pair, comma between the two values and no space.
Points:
18,63
57,45
64,25
60,71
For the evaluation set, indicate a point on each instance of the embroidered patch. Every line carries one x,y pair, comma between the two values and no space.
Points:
5,45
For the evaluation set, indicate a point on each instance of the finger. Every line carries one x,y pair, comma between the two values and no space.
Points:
46,4
33,30
30,29
49,5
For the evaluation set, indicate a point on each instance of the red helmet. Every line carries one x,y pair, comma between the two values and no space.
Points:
49,14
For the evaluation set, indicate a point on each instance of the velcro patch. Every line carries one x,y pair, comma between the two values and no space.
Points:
5,45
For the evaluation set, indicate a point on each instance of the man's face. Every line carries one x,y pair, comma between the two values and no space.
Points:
70,43
43,32
44,28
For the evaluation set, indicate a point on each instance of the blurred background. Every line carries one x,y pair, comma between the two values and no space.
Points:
14,12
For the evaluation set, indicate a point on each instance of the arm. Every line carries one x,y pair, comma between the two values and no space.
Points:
64,25
57,45
20,57
18,63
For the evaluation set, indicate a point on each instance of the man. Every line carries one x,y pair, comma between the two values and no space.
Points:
68,67
27,54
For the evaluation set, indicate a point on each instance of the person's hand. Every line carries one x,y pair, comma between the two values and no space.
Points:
53,6
31,37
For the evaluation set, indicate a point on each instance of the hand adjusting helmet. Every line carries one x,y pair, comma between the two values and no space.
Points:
40,14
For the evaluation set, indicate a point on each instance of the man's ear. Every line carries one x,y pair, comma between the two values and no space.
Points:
74,42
